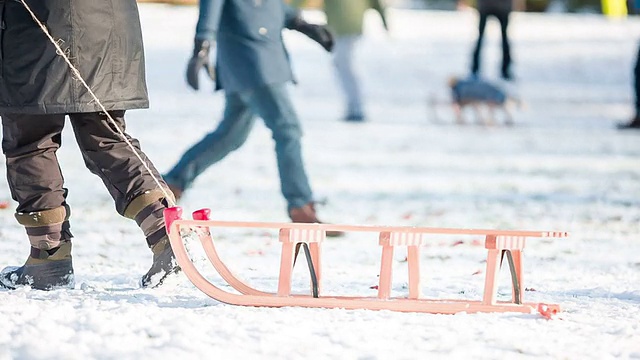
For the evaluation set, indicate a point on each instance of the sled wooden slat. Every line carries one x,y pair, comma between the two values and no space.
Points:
498,243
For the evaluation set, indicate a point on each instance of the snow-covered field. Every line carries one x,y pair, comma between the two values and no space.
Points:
562,167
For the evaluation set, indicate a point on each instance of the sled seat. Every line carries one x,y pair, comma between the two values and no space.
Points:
499,244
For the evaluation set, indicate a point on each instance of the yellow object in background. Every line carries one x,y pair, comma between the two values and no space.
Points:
614,8
307,4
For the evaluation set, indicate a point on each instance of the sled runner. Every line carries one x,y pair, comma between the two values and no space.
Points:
498,243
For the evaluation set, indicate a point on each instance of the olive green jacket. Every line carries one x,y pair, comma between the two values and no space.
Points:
346,17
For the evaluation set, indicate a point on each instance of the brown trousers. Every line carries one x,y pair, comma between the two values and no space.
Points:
35,179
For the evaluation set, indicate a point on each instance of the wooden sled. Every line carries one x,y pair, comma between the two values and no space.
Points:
499,244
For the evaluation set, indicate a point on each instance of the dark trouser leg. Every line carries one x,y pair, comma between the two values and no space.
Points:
475,66
635,121
107,155
636,81
30,143
273,105
503,18
135,192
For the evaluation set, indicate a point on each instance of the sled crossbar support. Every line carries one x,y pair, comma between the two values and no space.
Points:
497,243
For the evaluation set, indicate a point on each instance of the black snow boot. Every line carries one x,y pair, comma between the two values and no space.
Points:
44,270
164,264
49,265
148,210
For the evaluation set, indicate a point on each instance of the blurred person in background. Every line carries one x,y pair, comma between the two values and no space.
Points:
635,121
500,9
346,19
252,67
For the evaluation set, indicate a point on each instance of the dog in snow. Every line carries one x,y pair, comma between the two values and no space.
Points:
480,94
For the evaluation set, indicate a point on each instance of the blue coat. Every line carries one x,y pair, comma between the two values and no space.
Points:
250,51
471,90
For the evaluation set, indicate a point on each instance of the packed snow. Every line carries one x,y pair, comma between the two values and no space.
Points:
562,166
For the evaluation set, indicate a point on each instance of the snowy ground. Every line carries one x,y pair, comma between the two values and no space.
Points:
562,167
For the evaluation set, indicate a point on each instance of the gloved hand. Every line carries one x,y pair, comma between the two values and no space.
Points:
317,33
198,61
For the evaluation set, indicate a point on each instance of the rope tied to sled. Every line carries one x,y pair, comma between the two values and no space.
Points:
79,77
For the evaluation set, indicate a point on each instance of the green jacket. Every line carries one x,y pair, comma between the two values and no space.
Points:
346,17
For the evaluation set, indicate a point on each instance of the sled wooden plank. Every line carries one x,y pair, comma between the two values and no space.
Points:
371,228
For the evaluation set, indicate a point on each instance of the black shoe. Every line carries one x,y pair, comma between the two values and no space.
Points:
164,264
52,270
354,118
633,124
507,75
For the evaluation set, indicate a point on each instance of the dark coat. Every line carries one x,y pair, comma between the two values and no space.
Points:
495,6
250,50
102,38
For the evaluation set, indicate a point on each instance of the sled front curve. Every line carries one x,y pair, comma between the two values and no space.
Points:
204,235
498,243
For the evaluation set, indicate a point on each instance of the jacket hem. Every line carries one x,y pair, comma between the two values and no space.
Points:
71,109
